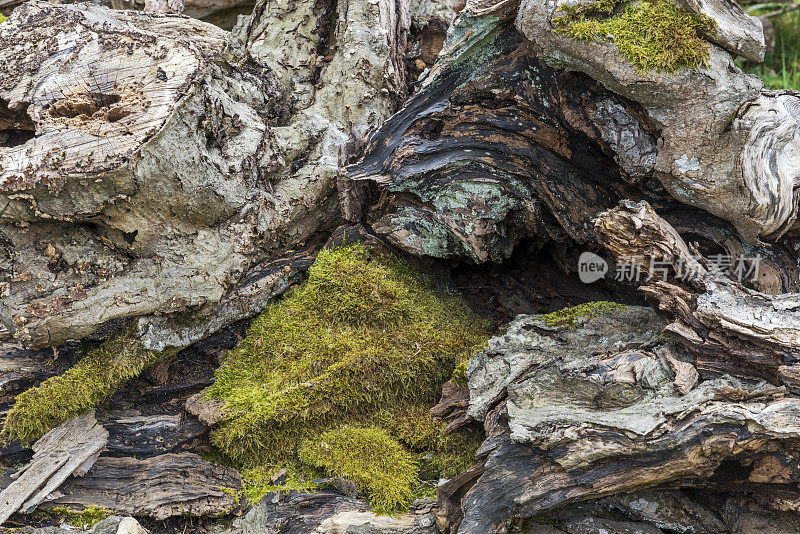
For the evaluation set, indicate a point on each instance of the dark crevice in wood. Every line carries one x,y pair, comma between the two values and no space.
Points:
12,138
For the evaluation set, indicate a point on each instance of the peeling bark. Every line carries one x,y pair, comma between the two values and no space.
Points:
70,449
731,328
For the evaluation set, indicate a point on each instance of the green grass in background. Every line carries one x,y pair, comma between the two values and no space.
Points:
781,67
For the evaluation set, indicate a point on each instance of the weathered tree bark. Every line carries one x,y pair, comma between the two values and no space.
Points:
72,448
245,153
160,487
156,167
574,413
174,7
731,328
85,168
327,512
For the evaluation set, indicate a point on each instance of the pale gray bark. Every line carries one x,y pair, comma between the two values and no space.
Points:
178,172
71,448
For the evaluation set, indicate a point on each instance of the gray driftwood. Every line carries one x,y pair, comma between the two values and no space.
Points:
71,448
160,487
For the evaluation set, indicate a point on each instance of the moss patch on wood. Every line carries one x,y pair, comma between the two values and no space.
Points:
370,458
653,35
570,317
364,341
84,519
81,388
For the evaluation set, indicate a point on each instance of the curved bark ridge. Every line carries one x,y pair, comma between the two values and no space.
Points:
729,327
498,146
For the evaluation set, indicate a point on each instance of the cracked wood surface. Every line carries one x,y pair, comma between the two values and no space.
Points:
71,448
160,487
731,328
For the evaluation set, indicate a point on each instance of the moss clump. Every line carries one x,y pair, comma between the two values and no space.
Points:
439,455
79,389
370,458
653,35
364,332
459,376
569,317
85,519
3,18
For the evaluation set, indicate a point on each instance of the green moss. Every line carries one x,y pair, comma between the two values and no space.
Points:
259,481
81,388
459,376
85,519
370,458
569,317
3,18
363,333
653,35
439,455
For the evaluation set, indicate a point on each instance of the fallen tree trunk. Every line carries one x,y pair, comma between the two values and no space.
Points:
197,175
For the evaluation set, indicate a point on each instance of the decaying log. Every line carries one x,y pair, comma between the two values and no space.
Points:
521,131
452,407
71,448
140,436
18,373
327,512
730,328
499,146
86,169
594,410
263,282
253,155
159,487
704,158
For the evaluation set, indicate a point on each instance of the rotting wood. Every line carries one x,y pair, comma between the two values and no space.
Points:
729,327
71,447
160,487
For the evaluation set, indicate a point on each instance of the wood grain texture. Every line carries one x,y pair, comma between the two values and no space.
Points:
71,447
160,487
497,146
731,328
